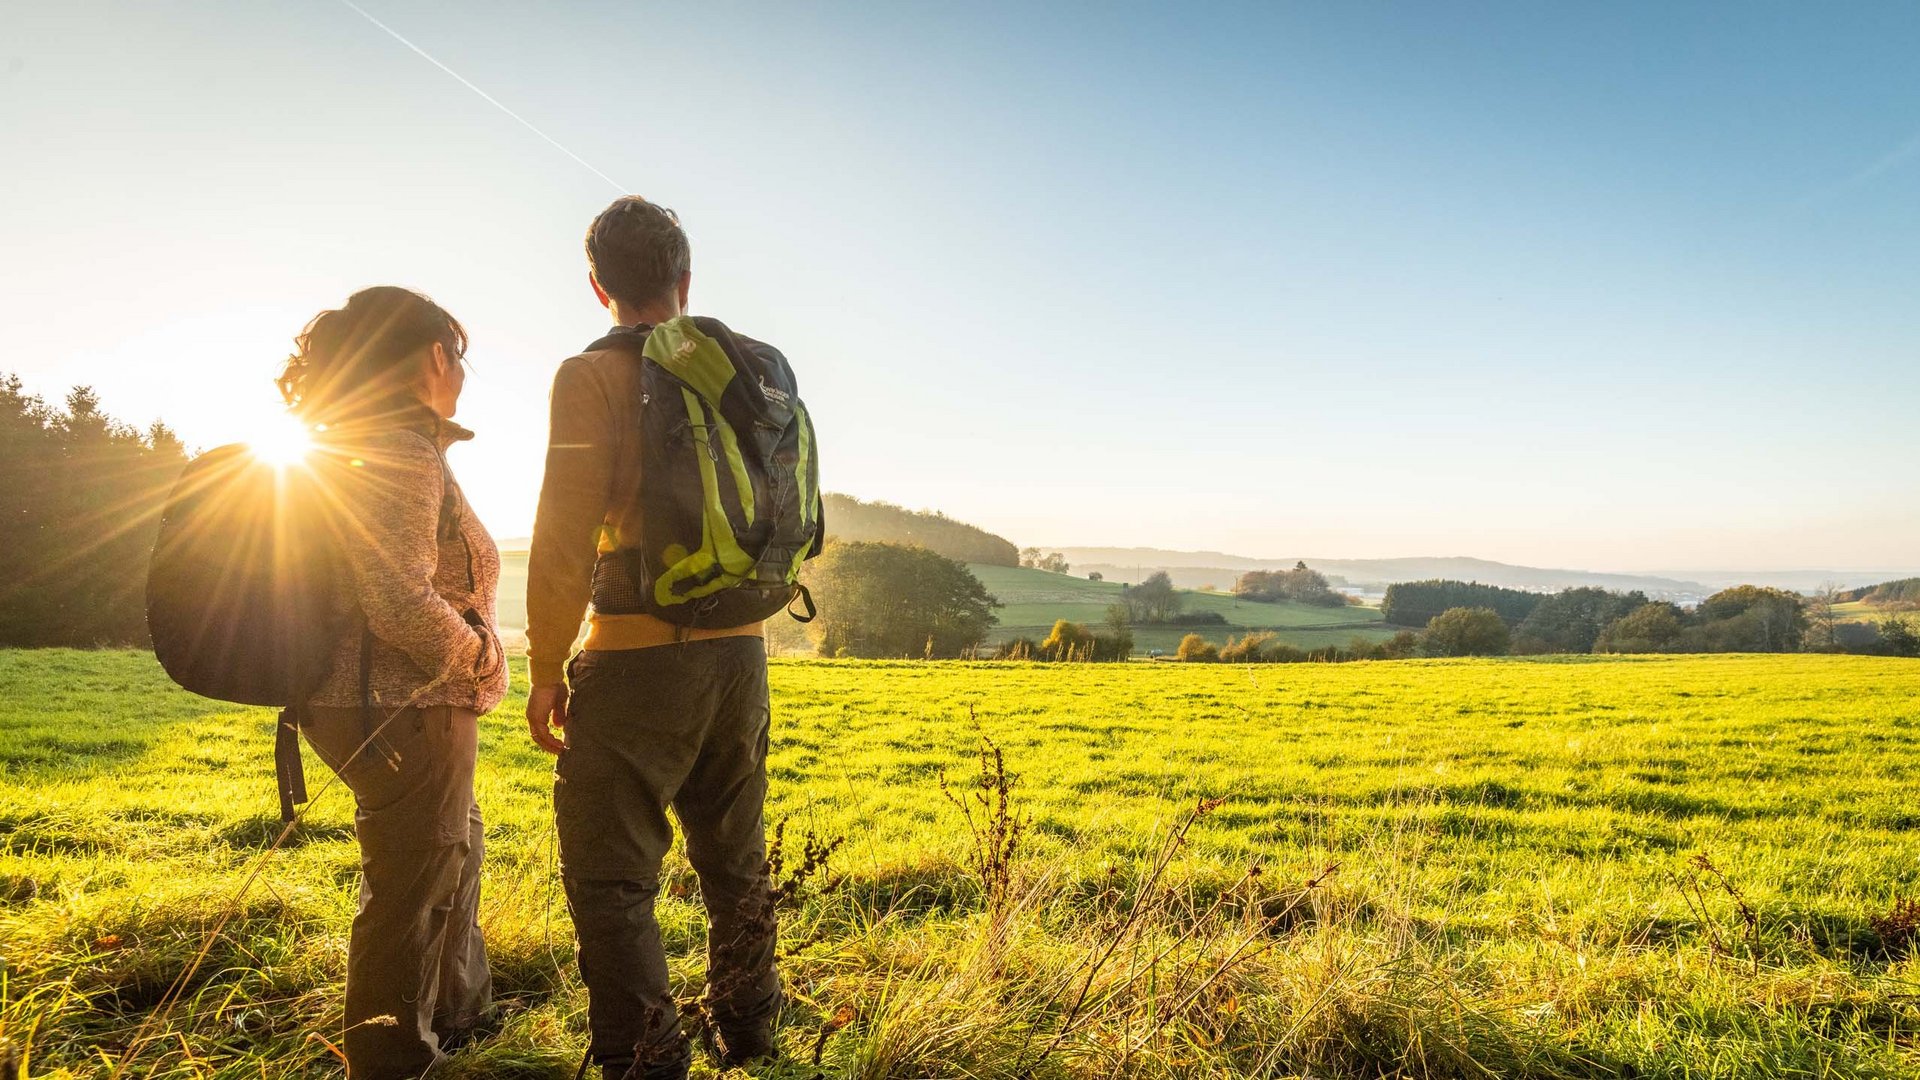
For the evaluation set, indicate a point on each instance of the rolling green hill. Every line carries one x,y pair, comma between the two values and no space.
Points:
1034,599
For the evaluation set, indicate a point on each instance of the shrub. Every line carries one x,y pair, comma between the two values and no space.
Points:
1247,650
1282,653
1194,618
1196,648
1066,639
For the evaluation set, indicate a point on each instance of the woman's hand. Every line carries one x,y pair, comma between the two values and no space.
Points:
547,717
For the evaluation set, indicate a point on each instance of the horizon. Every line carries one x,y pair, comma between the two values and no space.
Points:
1621,289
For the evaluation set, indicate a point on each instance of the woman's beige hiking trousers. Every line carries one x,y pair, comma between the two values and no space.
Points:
416,964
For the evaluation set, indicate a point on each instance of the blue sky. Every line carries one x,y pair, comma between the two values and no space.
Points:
1619,288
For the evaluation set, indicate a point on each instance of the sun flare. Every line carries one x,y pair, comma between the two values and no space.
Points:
281,441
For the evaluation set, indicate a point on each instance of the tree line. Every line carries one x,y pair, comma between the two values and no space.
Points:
1904,593
80,501
1415,603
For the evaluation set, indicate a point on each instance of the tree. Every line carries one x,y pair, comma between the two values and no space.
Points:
1096,576
1053,563
1467,632
1154,600
1029,557
1651,627
894,600
1823,622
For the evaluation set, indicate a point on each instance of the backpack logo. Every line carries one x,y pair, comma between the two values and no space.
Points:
774,394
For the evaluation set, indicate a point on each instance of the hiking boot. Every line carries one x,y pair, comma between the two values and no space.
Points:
742,1047
669,1061
486,1027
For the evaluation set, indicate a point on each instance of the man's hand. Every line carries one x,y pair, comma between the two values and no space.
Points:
547,717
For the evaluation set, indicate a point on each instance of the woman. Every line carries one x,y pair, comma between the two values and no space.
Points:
378,381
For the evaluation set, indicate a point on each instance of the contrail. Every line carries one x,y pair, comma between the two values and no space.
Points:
490,99
1898,156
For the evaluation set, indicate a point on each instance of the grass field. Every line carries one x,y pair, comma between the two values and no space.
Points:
1861,611
1034,599
1424,868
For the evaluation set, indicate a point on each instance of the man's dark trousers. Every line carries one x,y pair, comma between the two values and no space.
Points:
683,726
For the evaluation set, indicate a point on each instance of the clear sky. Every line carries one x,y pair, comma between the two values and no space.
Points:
1609,286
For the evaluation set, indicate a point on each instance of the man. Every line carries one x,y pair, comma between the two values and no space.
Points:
654,714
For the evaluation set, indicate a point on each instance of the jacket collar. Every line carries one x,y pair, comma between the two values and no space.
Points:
445,433
415,417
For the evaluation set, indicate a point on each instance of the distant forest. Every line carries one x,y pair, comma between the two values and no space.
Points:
851,519
1904,593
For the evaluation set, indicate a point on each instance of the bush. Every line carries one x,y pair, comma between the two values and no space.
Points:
1246,650
1196,618
1465,631
1193,647
1070,642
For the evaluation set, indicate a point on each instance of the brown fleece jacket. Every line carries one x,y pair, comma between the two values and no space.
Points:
428,598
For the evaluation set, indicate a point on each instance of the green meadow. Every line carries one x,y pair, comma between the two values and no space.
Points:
1033,599
1569,867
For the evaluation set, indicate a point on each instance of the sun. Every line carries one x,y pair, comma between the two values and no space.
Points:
281,441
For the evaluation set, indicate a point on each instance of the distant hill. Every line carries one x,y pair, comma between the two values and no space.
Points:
1197,568
849,518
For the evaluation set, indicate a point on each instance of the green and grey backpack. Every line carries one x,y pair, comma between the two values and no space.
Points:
729,481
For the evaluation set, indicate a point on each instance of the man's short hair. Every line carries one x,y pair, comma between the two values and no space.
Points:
637,250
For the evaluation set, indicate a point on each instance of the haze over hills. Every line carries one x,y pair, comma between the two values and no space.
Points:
1198,569
852,519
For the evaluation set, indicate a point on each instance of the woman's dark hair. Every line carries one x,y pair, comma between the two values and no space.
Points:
351,362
